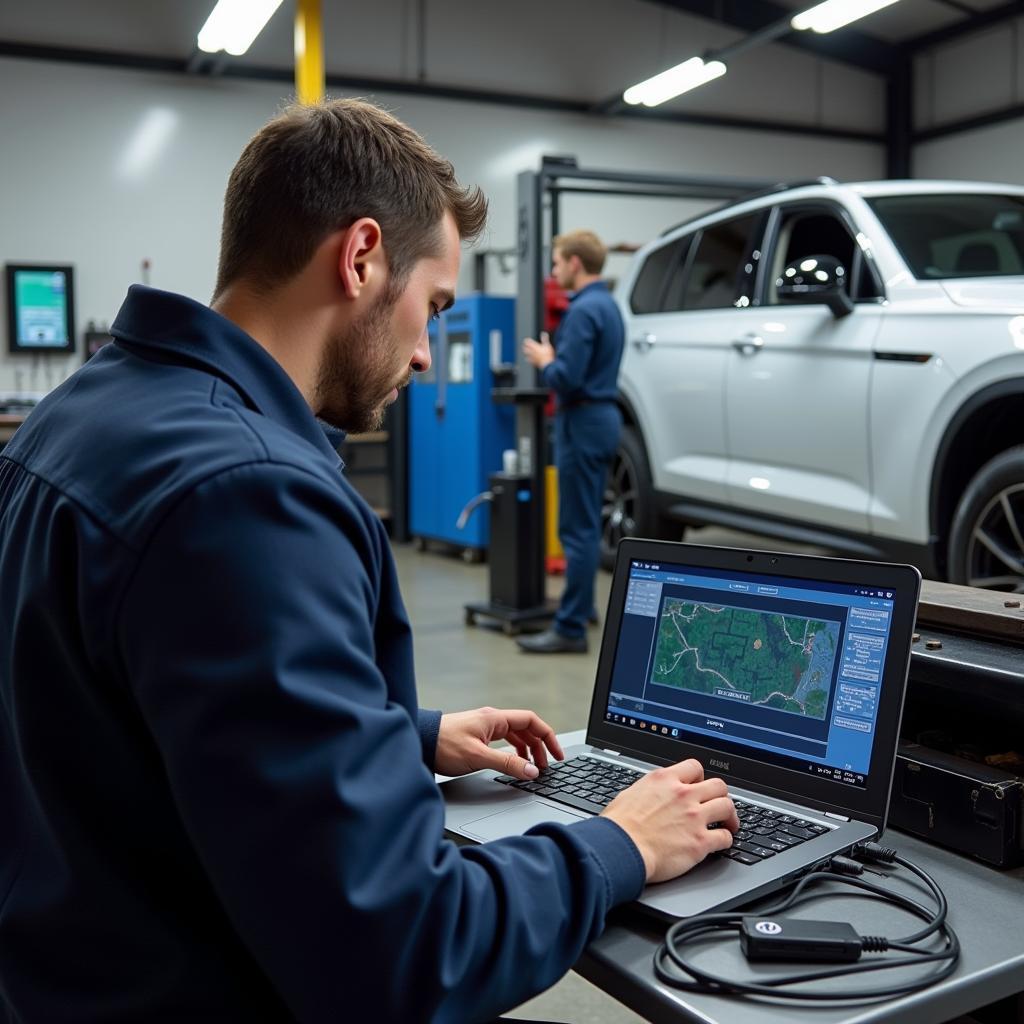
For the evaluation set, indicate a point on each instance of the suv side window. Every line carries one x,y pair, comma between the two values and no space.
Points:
804,232
650,282
718,267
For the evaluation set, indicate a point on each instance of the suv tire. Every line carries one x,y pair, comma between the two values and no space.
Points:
986,543
629,508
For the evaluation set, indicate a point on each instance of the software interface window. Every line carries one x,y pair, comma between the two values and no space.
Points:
790,667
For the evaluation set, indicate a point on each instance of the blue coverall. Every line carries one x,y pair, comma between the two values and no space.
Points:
584,375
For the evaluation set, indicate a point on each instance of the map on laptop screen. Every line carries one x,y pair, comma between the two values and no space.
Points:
783,662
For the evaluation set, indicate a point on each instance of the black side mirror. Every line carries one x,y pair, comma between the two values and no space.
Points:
815,279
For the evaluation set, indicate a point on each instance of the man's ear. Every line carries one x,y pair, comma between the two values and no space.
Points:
361,261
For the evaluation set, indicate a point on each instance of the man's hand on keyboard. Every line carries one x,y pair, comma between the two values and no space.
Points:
462,743
667,814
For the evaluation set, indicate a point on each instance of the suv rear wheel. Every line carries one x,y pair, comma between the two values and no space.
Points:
629,508
986,544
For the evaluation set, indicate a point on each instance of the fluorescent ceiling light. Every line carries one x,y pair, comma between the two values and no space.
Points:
234,24
833,14
680,79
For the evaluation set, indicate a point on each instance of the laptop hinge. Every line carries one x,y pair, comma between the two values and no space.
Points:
838,817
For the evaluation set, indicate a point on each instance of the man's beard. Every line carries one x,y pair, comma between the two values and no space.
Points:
357,372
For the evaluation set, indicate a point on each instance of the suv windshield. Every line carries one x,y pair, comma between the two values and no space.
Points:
956,235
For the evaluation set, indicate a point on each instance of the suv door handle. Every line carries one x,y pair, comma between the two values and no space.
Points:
644,343
749,344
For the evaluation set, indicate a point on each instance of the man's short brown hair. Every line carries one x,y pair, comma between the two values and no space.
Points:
585,244
317,169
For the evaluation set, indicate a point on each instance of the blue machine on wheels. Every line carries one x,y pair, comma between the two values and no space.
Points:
456,432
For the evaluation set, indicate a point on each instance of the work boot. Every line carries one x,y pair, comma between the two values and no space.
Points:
553,642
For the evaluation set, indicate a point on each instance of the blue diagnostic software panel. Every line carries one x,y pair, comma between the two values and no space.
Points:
785,671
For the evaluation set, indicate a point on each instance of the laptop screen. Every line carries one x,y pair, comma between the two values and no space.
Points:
781,670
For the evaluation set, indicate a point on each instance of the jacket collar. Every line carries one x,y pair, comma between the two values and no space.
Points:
587,288
173,328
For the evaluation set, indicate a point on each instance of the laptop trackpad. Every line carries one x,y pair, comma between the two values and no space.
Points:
516,820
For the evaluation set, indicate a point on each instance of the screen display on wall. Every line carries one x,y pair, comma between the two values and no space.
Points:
40,308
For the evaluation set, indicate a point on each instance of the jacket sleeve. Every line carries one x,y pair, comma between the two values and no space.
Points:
575,349
429,723
247,634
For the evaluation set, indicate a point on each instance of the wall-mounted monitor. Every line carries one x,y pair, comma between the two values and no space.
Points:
40,308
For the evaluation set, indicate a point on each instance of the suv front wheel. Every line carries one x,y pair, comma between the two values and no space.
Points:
629,508
986,544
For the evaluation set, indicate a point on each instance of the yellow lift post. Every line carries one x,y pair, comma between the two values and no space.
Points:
309,51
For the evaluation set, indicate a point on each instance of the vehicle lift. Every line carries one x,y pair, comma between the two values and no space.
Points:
516,555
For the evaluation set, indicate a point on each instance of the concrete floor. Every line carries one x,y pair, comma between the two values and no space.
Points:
460,667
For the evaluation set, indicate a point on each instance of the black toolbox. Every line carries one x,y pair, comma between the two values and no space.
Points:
972,808
959,777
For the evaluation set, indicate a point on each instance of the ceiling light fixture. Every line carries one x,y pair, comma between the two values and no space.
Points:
683,77
833,14
234,24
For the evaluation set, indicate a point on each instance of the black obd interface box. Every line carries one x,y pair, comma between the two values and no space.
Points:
971,808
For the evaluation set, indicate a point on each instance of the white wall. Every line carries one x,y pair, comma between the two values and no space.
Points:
995,153
968,77
104,168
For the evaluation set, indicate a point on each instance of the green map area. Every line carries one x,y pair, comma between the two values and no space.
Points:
777,661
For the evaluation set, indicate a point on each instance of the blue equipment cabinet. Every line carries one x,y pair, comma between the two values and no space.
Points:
456,432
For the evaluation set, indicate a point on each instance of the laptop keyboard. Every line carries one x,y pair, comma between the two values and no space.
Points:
765,832
581,782
590,785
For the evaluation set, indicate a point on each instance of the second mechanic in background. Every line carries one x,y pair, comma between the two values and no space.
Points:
582,368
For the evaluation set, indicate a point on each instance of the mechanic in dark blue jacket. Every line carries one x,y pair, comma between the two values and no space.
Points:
582,368
215,784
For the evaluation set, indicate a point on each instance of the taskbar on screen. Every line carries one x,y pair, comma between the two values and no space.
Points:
665,729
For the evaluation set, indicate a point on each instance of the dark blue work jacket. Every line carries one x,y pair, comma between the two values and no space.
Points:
588,349
215,803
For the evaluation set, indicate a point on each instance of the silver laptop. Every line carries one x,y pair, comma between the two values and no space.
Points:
783,674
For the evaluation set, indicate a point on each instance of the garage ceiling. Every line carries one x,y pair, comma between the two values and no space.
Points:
168,29
571,55
905,21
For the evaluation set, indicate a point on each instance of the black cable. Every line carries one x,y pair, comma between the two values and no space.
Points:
674,969
705,981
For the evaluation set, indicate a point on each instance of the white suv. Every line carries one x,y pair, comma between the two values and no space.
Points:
836,364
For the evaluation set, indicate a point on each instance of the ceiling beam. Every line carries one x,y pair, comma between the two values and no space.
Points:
235,69
972,23
1014,112
847,46
96,58
751,124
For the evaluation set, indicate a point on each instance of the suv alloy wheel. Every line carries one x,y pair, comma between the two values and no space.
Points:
986,546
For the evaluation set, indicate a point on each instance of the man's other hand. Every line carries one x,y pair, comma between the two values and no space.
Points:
667,814
462,743
539,353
